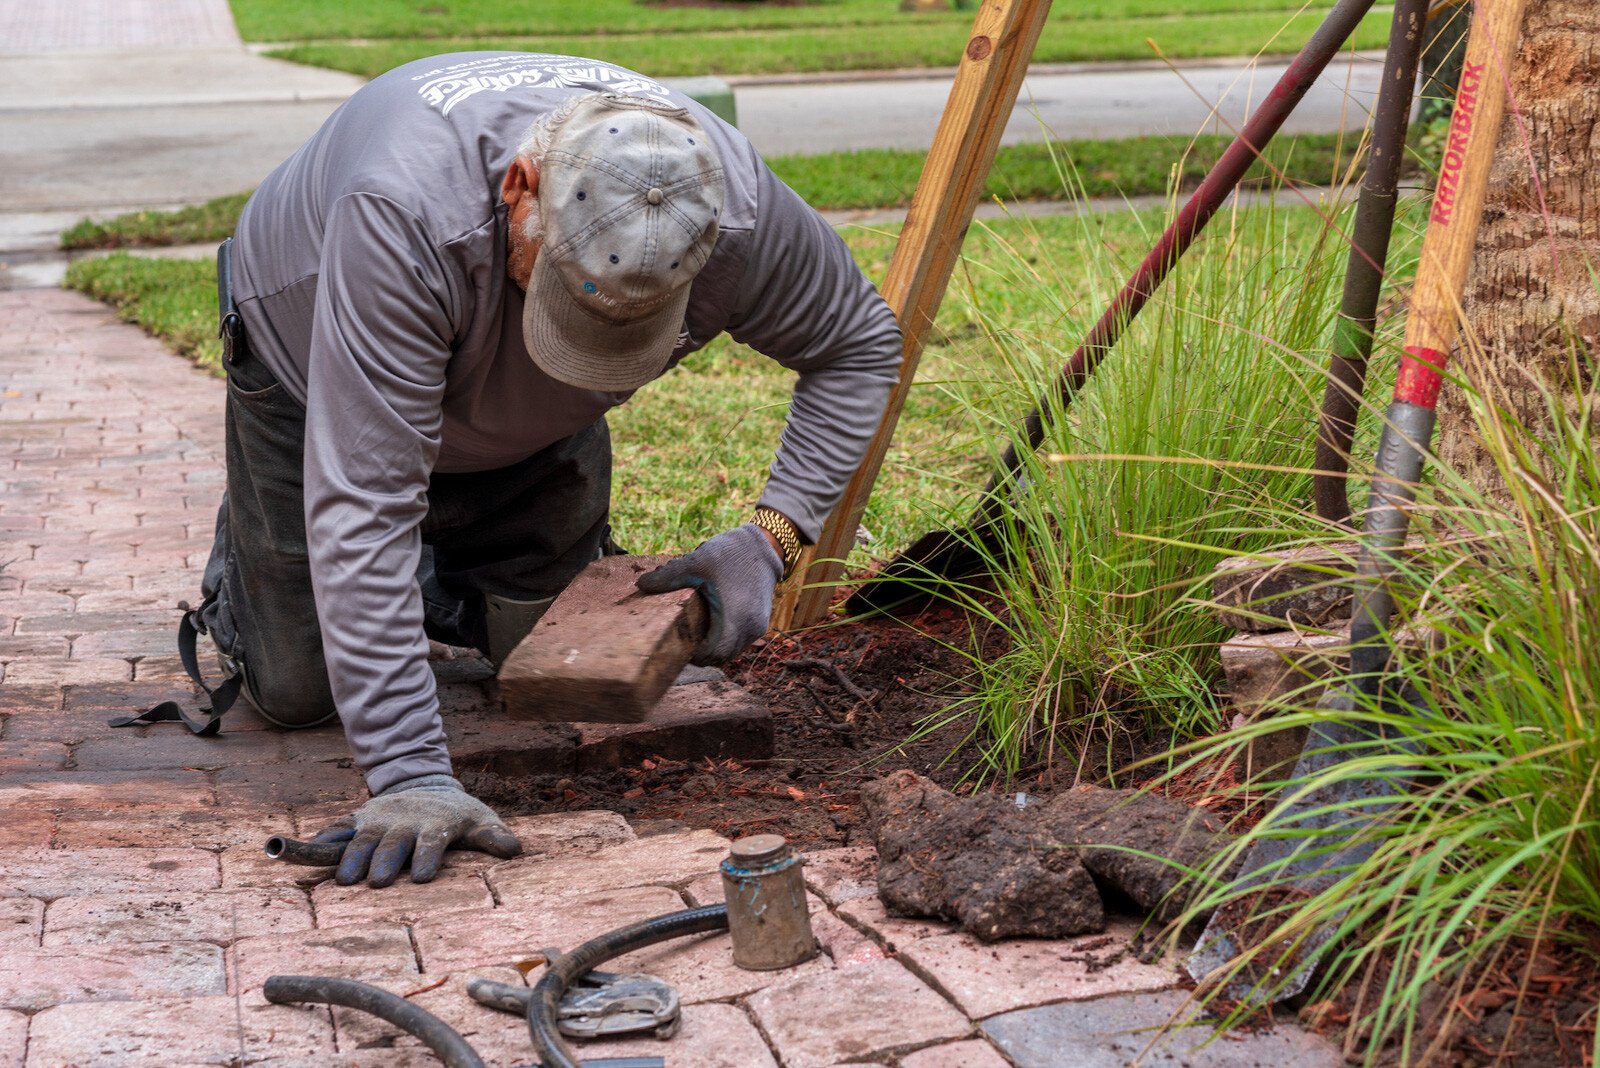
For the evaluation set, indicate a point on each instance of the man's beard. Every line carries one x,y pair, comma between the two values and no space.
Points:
533,226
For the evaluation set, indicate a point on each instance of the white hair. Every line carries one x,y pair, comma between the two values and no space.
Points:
534,144
537,137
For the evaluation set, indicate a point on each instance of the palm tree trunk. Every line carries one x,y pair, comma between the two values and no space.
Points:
1532,304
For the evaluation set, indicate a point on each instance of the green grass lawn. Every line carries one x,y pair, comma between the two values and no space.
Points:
907,42
307,20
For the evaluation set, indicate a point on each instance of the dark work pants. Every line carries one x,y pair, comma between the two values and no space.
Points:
521,532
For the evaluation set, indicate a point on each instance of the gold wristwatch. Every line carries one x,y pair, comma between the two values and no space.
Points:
781,527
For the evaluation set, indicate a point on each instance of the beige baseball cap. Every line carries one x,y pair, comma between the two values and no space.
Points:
630,191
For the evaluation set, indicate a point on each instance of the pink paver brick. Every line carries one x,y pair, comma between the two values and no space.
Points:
985,980
207,828
158,748
848,947
13,1038
81,622
109,971
154,641
62,872
290,785
975,1053
707,890
500,1038
659,859
203,1030
361,951
25,646
62,672
32,756
247,866
154,669
210,917
564,919
453,890
15,699
840,875
853,1013
56,725
361,1058
26,826
149,609
171,790
558,833
702,968
712,1036
21,921
894,932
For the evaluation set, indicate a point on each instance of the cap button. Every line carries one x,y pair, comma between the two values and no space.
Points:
654,196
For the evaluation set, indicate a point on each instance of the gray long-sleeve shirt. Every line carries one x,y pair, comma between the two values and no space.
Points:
370,269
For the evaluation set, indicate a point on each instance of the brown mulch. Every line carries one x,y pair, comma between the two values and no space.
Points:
1523,1008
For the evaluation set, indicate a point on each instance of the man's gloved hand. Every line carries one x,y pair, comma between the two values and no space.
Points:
415,820
736,572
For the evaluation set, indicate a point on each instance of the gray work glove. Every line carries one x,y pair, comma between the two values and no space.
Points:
415,820
736,572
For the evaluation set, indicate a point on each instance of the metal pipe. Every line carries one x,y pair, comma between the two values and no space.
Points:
437,1035
1369,251
542,1007
313,854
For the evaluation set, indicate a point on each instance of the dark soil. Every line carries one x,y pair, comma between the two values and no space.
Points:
1250,921
1525,1009
1052,868
844,701
996,869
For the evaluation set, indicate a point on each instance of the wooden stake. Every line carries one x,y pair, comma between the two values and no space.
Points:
981,100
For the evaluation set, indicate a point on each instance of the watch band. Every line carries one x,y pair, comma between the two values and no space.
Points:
781,527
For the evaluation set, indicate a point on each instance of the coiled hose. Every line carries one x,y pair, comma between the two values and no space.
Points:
547,992
437,1035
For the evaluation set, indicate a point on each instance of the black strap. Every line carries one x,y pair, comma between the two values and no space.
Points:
230,327
222,698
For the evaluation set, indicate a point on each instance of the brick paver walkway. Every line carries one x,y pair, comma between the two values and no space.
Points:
139,916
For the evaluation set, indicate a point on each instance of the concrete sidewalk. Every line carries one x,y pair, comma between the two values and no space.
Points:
139,917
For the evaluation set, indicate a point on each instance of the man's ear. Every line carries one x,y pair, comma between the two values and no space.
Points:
522,179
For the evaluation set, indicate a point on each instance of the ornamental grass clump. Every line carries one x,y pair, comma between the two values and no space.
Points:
1484,870
1195,429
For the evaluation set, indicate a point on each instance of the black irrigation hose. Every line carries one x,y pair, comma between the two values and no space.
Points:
547,1041
437,1035
315,854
